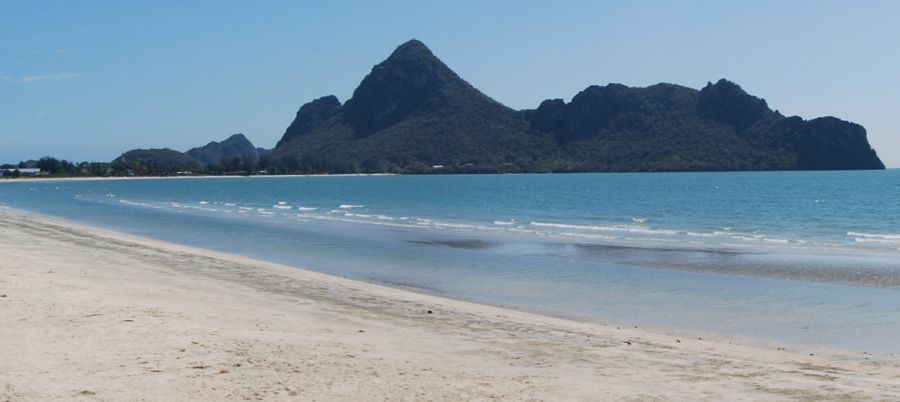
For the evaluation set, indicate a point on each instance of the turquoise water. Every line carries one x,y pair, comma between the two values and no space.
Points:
797,257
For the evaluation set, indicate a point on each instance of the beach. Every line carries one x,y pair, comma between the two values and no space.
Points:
94,314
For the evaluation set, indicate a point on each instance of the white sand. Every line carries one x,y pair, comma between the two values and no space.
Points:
88,314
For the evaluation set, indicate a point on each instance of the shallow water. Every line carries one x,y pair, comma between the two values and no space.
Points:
798,257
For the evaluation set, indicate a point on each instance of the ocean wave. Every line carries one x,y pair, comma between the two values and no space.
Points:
139,204
598,228
349,219
622,232
874,236
746,237
588,236
638,231
456,225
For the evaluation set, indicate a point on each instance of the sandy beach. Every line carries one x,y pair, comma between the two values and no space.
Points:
90,314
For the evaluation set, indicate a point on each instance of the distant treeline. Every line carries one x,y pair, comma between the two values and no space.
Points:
61,167
53,167
266,165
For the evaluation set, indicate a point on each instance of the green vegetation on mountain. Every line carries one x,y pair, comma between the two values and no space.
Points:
234,155
154,161
413,114
235,147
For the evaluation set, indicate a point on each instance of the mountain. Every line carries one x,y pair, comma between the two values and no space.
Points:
235,147
154,161
410,111
413,114
310,116
670,127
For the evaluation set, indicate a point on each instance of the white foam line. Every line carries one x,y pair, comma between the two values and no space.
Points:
338,219
629,229
874,236
456,226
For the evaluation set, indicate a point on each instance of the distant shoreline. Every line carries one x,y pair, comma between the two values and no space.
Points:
103,178
109,178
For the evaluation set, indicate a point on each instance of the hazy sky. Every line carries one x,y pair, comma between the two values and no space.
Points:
87,80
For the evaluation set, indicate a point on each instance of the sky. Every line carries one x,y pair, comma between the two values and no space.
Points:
88,80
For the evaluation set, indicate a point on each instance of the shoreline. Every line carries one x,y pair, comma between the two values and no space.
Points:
102,178
111,178
527,355
737,271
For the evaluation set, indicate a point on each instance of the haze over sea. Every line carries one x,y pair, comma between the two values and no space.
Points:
798,257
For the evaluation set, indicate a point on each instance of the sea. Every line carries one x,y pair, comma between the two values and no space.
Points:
805,258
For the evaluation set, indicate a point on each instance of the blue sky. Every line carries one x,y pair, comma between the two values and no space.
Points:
88,80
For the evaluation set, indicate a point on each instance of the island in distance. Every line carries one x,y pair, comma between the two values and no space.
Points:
413,114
